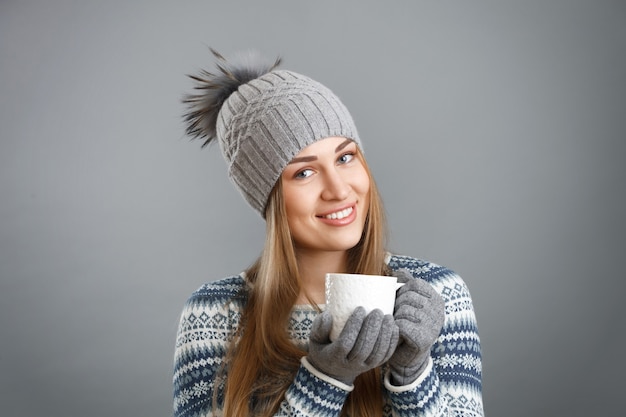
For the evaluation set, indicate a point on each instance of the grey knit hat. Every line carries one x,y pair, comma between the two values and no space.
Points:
262,118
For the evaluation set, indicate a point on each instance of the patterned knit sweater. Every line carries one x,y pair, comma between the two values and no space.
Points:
450,386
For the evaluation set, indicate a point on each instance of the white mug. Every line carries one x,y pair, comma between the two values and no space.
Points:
346,292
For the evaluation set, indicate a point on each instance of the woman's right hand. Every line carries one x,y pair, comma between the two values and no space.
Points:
366,342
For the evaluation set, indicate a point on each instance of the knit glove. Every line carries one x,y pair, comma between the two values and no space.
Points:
366,342
419,313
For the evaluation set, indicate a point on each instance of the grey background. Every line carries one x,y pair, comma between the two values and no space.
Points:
495,129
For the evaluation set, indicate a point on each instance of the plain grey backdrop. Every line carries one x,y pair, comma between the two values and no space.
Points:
496,131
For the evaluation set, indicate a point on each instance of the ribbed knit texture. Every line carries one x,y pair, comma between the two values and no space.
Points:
268,121
451,387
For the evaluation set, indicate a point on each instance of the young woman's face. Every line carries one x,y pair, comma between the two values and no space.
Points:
326,193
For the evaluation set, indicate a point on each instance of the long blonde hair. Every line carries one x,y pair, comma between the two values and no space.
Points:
263,363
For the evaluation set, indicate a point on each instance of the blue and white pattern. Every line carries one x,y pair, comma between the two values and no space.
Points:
450,386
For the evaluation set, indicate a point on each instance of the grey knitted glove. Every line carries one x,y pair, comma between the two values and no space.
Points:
366,341
419,313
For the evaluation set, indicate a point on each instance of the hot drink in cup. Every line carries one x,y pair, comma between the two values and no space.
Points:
346,292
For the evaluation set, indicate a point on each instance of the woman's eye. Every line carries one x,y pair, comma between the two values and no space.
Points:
345,158
305,173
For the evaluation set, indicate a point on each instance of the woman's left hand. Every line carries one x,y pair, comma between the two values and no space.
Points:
419,313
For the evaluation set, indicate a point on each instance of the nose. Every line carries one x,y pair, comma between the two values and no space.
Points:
335,186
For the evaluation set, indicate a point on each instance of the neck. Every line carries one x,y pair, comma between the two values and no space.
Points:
313,267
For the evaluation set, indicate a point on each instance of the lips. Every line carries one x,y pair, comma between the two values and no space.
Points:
340,216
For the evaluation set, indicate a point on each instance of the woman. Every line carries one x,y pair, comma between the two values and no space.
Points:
258,343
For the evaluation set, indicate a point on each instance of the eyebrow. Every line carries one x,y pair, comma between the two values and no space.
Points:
314,158
343,145
303,159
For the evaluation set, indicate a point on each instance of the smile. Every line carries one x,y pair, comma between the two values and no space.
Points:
338,215
341,217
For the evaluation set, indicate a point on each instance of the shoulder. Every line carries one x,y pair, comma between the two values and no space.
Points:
447,282
419,268
231,289
212,312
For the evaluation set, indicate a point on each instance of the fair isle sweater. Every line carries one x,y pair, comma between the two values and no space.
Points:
450,386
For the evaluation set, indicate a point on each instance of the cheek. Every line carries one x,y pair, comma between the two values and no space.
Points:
362,189
296,204
362,185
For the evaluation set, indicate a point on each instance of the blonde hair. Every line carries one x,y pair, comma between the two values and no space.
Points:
263,363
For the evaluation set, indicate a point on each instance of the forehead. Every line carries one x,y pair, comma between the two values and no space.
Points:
331,144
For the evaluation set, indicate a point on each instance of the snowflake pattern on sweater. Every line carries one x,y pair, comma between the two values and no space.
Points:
450,386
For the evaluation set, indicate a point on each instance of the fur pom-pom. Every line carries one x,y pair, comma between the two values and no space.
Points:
212,90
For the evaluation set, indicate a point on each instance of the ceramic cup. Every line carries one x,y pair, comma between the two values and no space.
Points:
345,292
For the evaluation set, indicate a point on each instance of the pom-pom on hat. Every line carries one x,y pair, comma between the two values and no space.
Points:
262,118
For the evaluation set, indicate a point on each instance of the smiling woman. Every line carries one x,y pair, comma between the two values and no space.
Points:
258,343
326,191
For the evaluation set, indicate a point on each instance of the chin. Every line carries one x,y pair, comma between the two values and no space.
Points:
330,245
347,242
344,245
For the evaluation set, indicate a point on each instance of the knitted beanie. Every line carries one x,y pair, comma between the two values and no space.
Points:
262,118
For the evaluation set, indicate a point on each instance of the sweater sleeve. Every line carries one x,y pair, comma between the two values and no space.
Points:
207,325
452,383
312,394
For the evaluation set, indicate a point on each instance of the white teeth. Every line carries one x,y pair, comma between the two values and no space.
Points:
339,214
